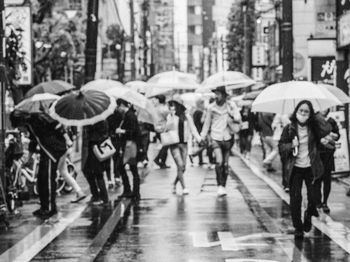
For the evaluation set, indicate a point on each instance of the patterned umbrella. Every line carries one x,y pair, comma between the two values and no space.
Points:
53,87
37,103
82,108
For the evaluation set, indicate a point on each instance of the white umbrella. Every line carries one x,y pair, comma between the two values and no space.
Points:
166,82
101,85
283,97
138,86
128,95
230,79
37,102
190,99
344,98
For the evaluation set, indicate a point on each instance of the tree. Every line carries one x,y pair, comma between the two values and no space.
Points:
235,39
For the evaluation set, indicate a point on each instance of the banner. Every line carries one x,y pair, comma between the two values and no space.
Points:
341,155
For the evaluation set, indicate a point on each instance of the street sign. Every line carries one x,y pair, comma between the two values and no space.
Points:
259,55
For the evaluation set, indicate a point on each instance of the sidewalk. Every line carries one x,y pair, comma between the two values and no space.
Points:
338,202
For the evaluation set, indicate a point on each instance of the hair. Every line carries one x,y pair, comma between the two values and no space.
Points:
293,117
179,108
122,102
161,98
18,118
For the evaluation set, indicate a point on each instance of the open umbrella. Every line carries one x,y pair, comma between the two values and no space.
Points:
101,85
128,95
82,108
283,97
53,87
344,98
230,79
138,86
37,103
166,82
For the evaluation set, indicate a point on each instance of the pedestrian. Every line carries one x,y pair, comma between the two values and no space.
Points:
246,132
93,168
270,145
180,121
162,113
198,119
327,158
129,133
219,119
52,140
299,146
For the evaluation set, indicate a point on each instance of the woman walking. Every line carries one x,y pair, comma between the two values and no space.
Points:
180,120
246,131
299,146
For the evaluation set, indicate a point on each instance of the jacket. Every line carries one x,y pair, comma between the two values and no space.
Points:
172,123
286,151
131,126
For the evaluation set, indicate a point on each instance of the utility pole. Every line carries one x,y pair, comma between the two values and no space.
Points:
287,40
145,27
2,107
247,38
132,41
91,40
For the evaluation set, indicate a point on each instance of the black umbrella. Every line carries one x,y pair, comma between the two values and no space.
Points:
54,87
82,108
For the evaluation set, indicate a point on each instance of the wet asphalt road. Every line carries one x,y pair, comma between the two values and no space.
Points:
250,224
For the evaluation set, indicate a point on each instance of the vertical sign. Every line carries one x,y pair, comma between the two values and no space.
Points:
180,34
19,17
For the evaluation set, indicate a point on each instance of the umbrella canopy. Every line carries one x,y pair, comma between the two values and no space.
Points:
54,87
230,79
251,95
102,85
169,81
283,97
344,98
190,99
86,107
128,95
138,86
37,103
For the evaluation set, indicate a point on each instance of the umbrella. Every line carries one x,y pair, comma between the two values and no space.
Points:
251,95
344,98
101,85
54,87
82,108
166,82
128,95
37,102
190,99
283,97
230,79
138,86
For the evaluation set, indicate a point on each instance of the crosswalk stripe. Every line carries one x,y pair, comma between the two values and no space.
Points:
227,241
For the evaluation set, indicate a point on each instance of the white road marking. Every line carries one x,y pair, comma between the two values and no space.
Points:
227,241
34,242
248,260
200,239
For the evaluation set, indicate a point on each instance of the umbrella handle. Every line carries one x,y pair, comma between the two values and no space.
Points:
295,151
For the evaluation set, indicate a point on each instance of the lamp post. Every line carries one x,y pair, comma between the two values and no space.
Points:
287,40
247,40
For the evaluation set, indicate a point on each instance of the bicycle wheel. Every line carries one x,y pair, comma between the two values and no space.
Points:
71,171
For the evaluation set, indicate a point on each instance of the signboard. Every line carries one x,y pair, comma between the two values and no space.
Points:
258,73
19,17
341,155
343,38
259,55
323,69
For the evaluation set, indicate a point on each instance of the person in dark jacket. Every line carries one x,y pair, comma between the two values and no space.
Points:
92,168
299,146
51,138
327,157
129,138
246,132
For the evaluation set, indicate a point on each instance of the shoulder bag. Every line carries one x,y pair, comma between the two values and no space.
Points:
105,150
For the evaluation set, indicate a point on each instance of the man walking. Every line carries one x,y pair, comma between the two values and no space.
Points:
220,115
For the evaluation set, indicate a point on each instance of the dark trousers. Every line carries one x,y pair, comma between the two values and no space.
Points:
97,186
245,143
326,179
299,175
162,155
222,151
125,179
47,183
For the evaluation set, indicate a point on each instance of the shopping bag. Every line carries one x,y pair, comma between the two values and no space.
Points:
170,137
104,150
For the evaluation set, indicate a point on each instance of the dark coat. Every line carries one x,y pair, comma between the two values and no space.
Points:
286,150
131,126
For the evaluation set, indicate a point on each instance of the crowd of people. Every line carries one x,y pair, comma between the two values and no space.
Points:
304,140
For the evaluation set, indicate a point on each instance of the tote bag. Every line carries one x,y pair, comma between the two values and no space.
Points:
104,150
170,137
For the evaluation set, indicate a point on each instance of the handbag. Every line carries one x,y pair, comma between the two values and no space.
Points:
104,150
170,137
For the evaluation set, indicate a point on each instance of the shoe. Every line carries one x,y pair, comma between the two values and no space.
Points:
39,212
211,166
44,214
298,234
78,198
185,191
201,163
307,222
325,208
270,169
221,191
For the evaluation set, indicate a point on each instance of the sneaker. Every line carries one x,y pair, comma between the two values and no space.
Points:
79,197
185,191
221,191
325,208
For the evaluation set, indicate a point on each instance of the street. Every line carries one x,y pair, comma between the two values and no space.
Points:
252,223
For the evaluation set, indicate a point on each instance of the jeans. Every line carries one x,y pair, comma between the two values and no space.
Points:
245,143
296,184
222,151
